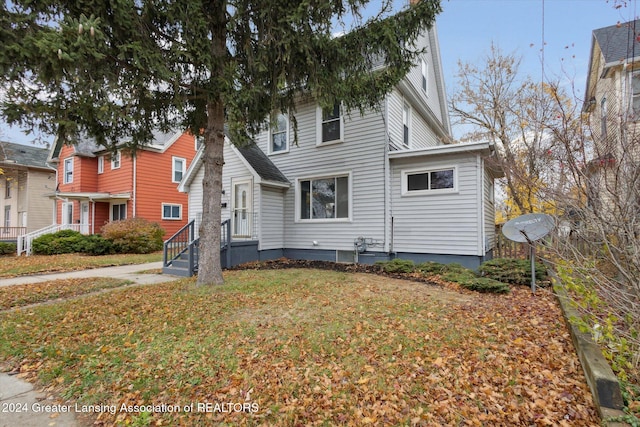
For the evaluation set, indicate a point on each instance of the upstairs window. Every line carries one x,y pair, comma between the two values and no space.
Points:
331,125
115,160
177,170
7,188
406,124
424,75
279,134
603,118
68,170
101,164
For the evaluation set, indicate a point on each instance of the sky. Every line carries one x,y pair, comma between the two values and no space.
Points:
466,29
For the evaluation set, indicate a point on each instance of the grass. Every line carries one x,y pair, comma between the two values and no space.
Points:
23,295
305,347
11,266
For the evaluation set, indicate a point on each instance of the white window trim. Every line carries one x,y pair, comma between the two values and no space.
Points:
65,171
100,164
171,218
111,205
631,114
406,111
404,181
324,220
175,159
319,121
118,156
287,136
67,207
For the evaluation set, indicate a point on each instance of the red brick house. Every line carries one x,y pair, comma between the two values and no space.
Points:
96,186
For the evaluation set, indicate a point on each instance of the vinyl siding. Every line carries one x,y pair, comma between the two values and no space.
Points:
414,77
437,223
361,154
39,208
154,183
421,134
489,213
271,219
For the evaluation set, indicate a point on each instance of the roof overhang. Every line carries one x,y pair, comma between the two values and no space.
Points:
480,148
90,196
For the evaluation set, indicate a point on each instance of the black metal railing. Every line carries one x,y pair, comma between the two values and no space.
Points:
178,243
184,241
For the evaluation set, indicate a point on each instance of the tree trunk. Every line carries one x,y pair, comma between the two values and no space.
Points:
210,269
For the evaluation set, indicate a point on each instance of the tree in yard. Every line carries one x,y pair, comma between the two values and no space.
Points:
116,70
511,110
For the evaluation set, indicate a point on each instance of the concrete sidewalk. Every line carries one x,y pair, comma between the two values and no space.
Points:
127,272
21,405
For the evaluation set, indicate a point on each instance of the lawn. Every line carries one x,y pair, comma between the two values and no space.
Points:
304,347
11,266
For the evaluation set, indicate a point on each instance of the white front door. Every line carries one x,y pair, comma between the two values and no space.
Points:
84,217
242,210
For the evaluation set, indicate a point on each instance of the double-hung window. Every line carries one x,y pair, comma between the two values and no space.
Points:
101,164
635,96
331,125
279,134
406,125
7,188
416,182
115,160
425,75
68,170
177,169
324,198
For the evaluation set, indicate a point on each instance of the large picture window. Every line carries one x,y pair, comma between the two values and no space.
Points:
429,181
324,198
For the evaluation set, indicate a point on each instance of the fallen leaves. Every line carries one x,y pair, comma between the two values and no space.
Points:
22,295
309,347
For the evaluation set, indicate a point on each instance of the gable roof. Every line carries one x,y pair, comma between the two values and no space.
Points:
88,147
260,165
12,154
618,43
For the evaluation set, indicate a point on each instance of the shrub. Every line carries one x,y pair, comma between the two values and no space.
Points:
514,271
7,248
95,244
398,266
62,242
134,236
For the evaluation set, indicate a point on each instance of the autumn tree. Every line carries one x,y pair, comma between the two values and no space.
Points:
499,104
117,70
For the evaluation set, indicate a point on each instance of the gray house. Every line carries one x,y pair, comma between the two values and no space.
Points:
387,184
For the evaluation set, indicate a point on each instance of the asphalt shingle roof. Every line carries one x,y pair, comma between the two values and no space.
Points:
23,155
619,42
262,164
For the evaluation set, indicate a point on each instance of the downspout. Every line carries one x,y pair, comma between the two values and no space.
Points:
386,205
135,183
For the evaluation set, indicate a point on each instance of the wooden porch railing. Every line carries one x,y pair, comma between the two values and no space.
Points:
11,233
